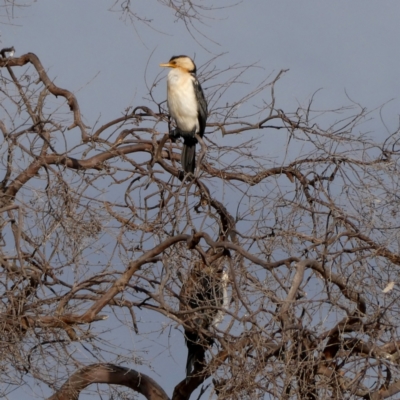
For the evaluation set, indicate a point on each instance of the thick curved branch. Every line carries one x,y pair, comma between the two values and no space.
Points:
112,375
95,162
50,86
393,389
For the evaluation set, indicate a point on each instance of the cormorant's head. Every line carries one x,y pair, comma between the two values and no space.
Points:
183,62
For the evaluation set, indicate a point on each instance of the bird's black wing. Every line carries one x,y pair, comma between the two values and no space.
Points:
203,289
202,106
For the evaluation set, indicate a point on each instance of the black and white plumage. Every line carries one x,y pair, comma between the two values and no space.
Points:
187,106
205,289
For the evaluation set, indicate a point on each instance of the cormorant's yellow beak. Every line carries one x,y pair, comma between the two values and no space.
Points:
167,65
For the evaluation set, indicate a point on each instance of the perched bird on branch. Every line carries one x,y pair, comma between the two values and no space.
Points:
205,289
187,106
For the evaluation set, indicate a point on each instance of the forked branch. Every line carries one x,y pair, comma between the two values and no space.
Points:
50,86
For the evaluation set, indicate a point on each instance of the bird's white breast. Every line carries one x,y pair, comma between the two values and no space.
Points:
182,102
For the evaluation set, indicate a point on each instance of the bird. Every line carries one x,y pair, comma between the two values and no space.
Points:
187,106
205,288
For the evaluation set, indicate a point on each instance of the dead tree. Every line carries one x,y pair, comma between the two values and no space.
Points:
98,231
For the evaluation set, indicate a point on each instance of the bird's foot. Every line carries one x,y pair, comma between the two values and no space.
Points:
188,176
175,134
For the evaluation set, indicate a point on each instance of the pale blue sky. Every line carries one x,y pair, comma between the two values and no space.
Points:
336,46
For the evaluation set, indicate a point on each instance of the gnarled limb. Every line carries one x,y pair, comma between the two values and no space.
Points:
52,88
112,375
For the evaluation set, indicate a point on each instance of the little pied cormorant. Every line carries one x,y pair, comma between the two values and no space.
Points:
206,288
187,106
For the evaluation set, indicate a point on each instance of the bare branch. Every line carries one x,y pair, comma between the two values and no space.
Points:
113,375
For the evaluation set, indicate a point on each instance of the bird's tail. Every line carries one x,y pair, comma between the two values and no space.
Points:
195,352
188,157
